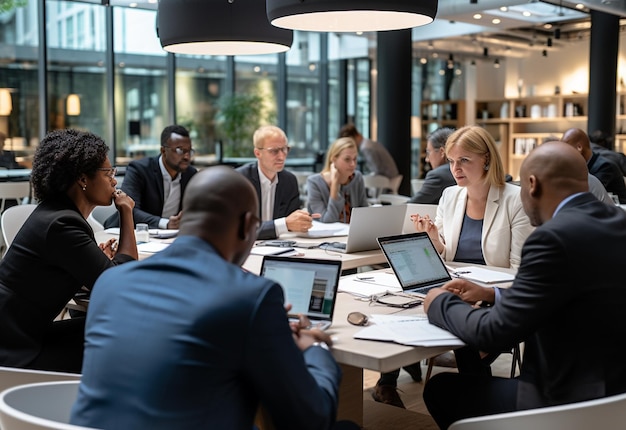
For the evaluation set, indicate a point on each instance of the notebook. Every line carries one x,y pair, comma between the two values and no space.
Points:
309,285
368,223
415,262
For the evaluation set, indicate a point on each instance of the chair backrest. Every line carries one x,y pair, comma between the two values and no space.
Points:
12,376
375,185
608,413
13,219
416,185
43,405
394,184
393,199
19,191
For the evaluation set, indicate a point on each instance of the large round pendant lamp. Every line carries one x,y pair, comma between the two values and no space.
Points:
350,15
219,27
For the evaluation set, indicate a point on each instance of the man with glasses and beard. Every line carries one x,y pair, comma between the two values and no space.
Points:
276,188
157,184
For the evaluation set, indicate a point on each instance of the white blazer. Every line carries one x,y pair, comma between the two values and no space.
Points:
505,225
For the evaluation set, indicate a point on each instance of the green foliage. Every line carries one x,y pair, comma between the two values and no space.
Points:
239,116
9,5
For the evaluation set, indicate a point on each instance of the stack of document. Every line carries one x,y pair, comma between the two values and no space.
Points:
320,229
407,330
480,274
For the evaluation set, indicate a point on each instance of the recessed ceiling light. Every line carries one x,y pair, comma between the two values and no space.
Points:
435,55
477,16
580,6
133,4
423,60
152,1
526,13
547,26
496,21
442,72
359,33
504,8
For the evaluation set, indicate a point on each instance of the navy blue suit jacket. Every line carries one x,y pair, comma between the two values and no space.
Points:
609,174
186,340
143,182
286,201
566,304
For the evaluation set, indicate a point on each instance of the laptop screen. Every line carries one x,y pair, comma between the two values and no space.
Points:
309,285
414,260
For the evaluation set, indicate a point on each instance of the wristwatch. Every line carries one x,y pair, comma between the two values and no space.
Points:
322,345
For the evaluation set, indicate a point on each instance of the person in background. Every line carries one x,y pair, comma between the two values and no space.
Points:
379,161
595,186
157,184
215,342
542,308
602,168
440,176
276,188
55,255
602,143
339,187
7,158
479,221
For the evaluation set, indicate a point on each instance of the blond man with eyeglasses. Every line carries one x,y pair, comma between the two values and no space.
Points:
276,188
157,184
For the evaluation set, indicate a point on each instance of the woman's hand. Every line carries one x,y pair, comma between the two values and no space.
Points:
122,200
109,248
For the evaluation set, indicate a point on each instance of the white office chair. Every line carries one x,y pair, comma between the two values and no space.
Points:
12,220
394,184
13,376
416,185
43,405
393,199
101,213
19,191
608,413
375,185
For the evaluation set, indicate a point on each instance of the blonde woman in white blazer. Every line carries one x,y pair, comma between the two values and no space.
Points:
482,198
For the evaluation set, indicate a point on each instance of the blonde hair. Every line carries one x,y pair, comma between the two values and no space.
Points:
265,132
335,149
477,140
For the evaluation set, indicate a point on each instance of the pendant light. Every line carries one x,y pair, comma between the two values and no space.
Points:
72,105
219,27
350,15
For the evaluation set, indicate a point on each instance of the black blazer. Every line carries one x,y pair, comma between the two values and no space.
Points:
143,182
286,201
50,259
567,303
609,174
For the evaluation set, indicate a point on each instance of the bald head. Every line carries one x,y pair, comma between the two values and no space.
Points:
220,207
552,172
579,140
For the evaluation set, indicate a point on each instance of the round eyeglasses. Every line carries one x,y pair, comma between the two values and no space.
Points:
112,171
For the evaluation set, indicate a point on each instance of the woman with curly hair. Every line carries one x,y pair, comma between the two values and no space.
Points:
55,253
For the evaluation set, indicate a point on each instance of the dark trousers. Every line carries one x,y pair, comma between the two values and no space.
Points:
450,397
62,349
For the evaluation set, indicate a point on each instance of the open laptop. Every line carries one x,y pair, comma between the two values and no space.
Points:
309,285
368,223
415,262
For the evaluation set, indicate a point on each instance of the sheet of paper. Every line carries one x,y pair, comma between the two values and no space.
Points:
480,274
407,330
272,250
162,233
321,229
152,247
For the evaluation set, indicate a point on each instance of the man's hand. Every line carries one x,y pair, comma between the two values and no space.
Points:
430,296
174,222
470,292
300,220
305,336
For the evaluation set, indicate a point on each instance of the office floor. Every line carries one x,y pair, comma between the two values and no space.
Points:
415,417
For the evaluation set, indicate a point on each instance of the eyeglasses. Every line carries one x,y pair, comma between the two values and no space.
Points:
180,151
274,151
434,150
112,171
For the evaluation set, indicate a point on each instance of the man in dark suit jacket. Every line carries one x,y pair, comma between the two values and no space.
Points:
274,184
566,302
215,341
147,180
602,168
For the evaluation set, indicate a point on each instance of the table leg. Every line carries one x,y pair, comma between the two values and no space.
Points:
351,395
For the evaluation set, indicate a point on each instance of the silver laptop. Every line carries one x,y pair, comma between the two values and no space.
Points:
309,285
415,262
368,223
